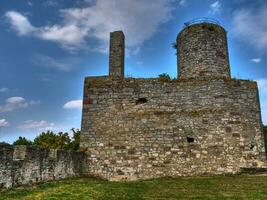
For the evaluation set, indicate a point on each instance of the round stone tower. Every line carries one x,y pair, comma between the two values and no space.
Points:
202,50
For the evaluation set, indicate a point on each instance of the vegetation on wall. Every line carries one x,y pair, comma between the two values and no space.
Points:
22,141
52,140
164,76
174,45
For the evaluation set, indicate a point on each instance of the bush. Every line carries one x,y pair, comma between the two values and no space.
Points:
22,141
75,143
52,140
164,77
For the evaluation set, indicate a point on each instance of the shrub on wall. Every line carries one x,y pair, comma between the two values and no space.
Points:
22,141
164,77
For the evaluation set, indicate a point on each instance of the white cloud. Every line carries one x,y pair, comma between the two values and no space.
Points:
14,103
63,64
38,125
20,23
255,60
69,36
138,19
3,89
50,3
215,7
43,125
250,25
34,102
30,3
4,123
73,104
183,3
15,100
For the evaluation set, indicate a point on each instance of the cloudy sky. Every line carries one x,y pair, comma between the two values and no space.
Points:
48,47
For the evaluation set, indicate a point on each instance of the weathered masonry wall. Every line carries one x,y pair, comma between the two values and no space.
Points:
20,165
147,128
116,57
202,51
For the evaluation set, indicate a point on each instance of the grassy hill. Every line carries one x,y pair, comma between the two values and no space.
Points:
219,187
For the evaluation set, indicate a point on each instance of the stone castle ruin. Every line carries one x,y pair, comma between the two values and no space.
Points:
138,128
202,123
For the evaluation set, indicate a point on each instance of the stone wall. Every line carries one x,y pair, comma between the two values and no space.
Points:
20,165
202,51
147,128
116,56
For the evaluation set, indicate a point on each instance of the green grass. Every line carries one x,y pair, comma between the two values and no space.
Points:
219,187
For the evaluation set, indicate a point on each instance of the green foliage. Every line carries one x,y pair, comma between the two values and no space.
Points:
52,140
201,188
174,45
75,142
22,141
164,77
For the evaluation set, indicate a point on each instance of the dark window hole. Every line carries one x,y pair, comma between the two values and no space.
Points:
252,146
141,101
190,139
211,28
120,172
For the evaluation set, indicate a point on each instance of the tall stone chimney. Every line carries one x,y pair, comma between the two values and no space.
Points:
116,54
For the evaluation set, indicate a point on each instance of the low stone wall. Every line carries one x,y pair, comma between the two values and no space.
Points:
20,165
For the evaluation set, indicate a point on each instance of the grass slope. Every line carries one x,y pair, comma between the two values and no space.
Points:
220,187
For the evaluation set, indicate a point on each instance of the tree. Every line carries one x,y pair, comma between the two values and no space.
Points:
22,141
164,77
53,141
75,143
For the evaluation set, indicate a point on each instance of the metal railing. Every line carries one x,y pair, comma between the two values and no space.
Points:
202,20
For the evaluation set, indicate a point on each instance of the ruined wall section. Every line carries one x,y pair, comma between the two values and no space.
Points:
6,153
20,165
147,128
202,51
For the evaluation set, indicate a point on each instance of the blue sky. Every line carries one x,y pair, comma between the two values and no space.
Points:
48,47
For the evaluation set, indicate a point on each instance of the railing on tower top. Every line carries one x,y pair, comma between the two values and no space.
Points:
202,20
